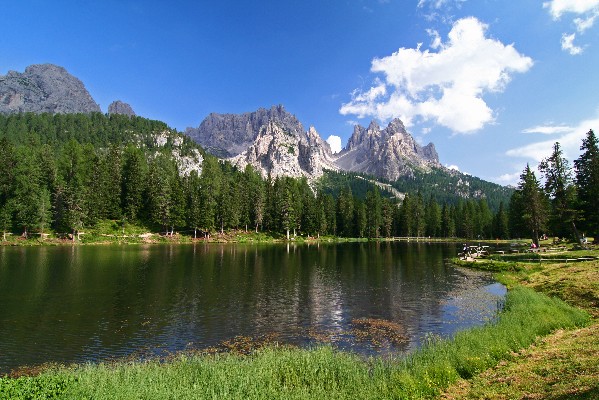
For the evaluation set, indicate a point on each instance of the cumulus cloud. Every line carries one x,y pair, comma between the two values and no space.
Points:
559,7
445,86
582,24
454,167
586,12
568,44
548,129
335,143
570,141
509,179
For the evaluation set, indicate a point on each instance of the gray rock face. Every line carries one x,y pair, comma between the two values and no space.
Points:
228,135
118,107
44,88
275,143
386,153
277,152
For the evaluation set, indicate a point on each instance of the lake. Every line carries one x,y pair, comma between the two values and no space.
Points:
91,303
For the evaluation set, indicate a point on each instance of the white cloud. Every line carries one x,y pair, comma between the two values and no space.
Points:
446,86
568,44
548,129
437,4
436,43
582,24
454,167
559,7
335,143
570,142
586,10
509,179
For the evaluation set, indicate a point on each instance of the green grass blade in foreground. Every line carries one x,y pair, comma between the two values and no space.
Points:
316,374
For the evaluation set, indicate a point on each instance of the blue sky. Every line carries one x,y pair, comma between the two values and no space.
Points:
492,83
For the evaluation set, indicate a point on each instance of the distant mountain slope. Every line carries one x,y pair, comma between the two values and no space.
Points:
102,131
449,186
44,88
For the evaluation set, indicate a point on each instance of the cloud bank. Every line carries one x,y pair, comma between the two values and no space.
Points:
570,141
586,12
445,86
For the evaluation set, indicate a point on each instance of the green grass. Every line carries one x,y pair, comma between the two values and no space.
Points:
561,365
321,373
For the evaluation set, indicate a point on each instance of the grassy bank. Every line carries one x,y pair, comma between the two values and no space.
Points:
562,365
113,232
323,373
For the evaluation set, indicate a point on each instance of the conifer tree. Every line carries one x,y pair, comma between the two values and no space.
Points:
134,183
561,192
374,215
8,162
500,223
345,212
587,181
530,204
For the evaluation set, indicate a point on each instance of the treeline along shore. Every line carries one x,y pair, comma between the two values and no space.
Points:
64,175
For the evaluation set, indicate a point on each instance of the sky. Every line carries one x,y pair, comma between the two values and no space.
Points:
492,83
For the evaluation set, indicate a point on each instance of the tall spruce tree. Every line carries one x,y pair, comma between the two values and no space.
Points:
374,216
134,183
587,181
530,204
8,162
561,191
501,224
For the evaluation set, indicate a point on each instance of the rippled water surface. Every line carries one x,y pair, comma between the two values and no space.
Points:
90,303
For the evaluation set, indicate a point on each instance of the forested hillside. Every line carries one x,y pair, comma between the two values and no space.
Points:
448,186
66,173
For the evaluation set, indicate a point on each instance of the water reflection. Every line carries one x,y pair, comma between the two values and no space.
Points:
82,303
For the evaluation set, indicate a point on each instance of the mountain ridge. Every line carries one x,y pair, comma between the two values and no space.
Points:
272,140
256,138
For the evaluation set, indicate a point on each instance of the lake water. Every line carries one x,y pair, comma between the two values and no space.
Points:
91,303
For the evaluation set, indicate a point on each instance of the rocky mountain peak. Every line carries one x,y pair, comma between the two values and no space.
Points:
396,126
44,88
119,107
228,135
387,153
278,152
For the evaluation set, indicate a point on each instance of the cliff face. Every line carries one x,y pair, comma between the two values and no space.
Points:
228,135
275,143
44,88
277,152
386,153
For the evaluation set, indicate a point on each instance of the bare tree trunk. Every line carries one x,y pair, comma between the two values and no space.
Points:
287,234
